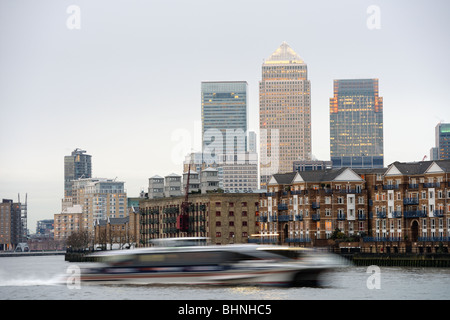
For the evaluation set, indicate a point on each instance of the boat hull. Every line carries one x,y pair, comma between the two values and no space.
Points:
279,276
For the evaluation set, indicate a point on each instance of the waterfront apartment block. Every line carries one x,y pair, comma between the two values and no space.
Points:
306,206
284,113
223,217
356,124
70,220
100,198
10,224
402,208
77,165
410,206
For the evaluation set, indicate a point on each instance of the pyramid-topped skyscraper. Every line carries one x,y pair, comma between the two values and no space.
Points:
284,112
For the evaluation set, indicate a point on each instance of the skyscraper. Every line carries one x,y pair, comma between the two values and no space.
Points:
224,117
77,165
356,124
443,141
284,112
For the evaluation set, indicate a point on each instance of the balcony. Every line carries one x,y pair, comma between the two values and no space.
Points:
390,186
432,185
341,216
316,217
361,216
415,214
298,217
262,219
434,239
396,214
381,215
315,205
413,186
350,191
411,201
284,218
438,213
282,206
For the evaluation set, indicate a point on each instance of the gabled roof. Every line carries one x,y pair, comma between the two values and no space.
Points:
282,178
417,168
342,174
443,164
173,175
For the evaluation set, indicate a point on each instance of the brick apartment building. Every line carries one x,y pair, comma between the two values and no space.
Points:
402,208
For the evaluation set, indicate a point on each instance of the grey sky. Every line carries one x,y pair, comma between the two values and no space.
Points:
129,79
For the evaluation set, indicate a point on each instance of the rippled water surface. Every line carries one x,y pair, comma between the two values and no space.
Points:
37,278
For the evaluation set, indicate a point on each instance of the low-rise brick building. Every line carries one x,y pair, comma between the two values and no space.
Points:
223,217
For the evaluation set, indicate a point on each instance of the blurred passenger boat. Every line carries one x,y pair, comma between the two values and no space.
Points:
190,261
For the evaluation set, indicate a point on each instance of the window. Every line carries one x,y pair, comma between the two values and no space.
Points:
231,213
217,213
218,234
218,223
231,223
244,223
244,213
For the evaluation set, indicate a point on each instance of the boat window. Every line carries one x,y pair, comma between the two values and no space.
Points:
119,260
290,254
182,258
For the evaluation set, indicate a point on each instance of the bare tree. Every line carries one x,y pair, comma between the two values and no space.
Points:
79,240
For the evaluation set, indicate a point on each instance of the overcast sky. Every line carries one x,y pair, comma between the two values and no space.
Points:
125,86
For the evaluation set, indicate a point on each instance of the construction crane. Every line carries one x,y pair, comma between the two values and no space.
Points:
424,157
183,217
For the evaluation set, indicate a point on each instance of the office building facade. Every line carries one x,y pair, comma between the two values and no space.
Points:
224,118
356,124
443,141
284,112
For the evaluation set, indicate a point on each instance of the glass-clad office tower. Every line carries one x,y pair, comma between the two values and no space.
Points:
77,165
284,112
443,141
224,117
356,124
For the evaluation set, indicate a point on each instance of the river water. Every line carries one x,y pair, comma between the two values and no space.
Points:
38,278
